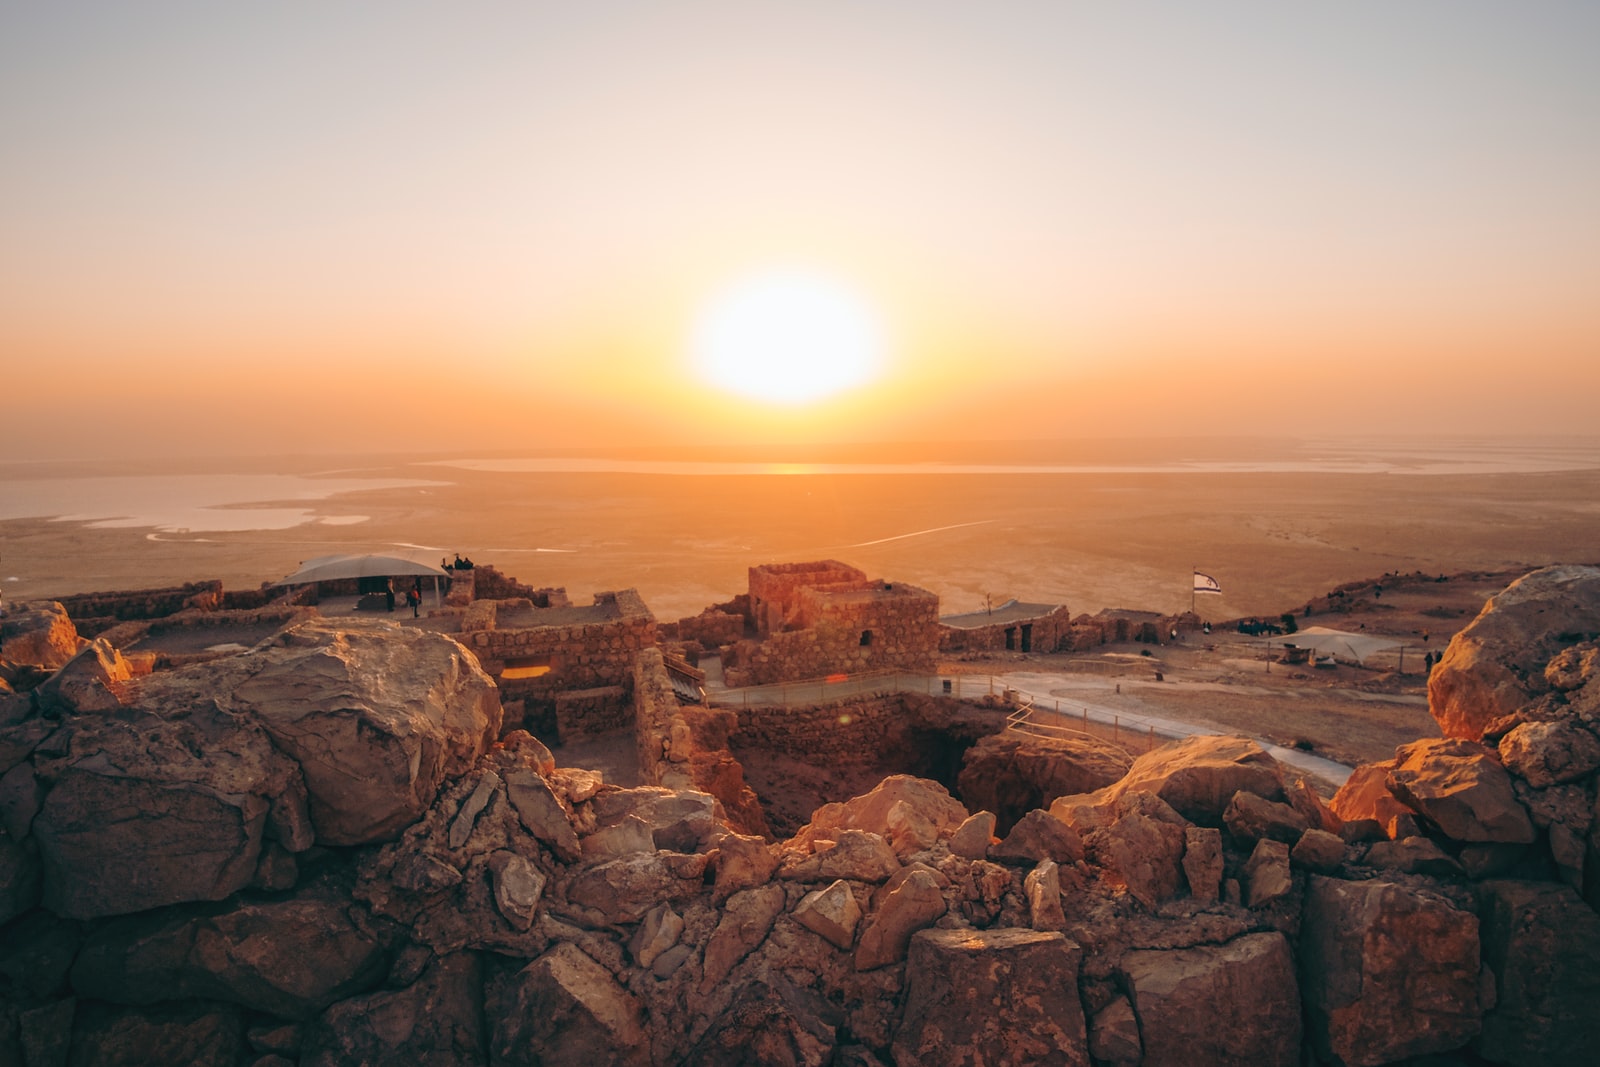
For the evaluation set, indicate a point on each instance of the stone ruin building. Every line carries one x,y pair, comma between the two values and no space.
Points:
1010,627
812,620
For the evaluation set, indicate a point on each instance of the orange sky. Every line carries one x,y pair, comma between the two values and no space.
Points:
461,228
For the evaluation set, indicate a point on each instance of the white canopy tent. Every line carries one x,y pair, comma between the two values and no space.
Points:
333,568
1342,643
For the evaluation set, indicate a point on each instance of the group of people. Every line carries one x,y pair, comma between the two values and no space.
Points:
460,563
413,596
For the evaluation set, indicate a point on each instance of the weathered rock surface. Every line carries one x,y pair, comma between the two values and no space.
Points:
1250,818
1461,788
1143,855
564,1010
1001,997
771,1021
290,957
1540,941
1550,753
909,902
1365,799
1231,1003
376,720
1496,664
1387,972
1011,774
1037,836
832,912
1198,776
38,632
436,1021
909,813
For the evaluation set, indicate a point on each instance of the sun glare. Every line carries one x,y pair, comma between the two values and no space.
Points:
788,337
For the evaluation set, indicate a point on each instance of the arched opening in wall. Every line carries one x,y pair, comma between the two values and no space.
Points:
1027,637
866,638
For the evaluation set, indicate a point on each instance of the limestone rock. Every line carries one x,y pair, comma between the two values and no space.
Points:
857,855
1541,942
1462,788
1387,972
1002,997
623,890
518,888
38,632
1141,854
1411,855
1250,818
1550,753
1319,850
679,820
871,812
907,905
564,1010
1202,862
1497,663
433,1022
630,835
1037,836
1231,1003
97,679
536,805
742,863
658,932
744,925
291,957
1365,798
1043,889
771,1021
1266,872
1114,1035
1199,775
831,913
376,719
1011,774
1304,799
972,838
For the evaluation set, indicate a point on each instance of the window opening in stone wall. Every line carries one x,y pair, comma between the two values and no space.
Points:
527,667
866,638
1027,637
1011,638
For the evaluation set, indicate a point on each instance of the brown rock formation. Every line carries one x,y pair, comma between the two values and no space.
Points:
1011,774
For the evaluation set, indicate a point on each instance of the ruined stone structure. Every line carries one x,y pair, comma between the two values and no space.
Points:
94,613
570,667
818,619
1009,627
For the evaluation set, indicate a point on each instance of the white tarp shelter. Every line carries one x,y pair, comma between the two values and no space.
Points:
1341,643
333,568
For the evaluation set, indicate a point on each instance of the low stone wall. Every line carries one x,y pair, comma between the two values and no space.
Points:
588,712
876,629
712,629
95,613
655,707
489,584
580,657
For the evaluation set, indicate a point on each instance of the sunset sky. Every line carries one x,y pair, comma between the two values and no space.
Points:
331,226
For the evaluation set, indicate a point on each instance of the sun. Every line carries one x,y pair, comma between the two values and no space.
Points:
787,337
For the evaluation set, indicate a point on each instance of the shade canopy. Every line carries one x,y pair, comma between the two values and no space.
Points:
332,568
1330,642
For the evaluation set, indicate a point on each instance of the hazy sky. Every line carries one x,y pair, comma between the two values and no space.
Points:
298,226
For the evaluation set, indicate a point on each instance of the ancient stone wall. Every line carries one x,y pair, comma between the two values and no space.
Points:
1045,633
712,629
489,584
587,712
883,627
94,613
775,588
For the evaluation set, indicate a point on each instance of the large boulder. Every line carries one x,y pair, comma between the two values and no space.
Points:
1541,942
147,808
564,1010
290,957
1388,972
1198,776
1461,787
1002,997
39,633
1497,663
1229,1003
1365,800
1011,774
376,718
910,813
